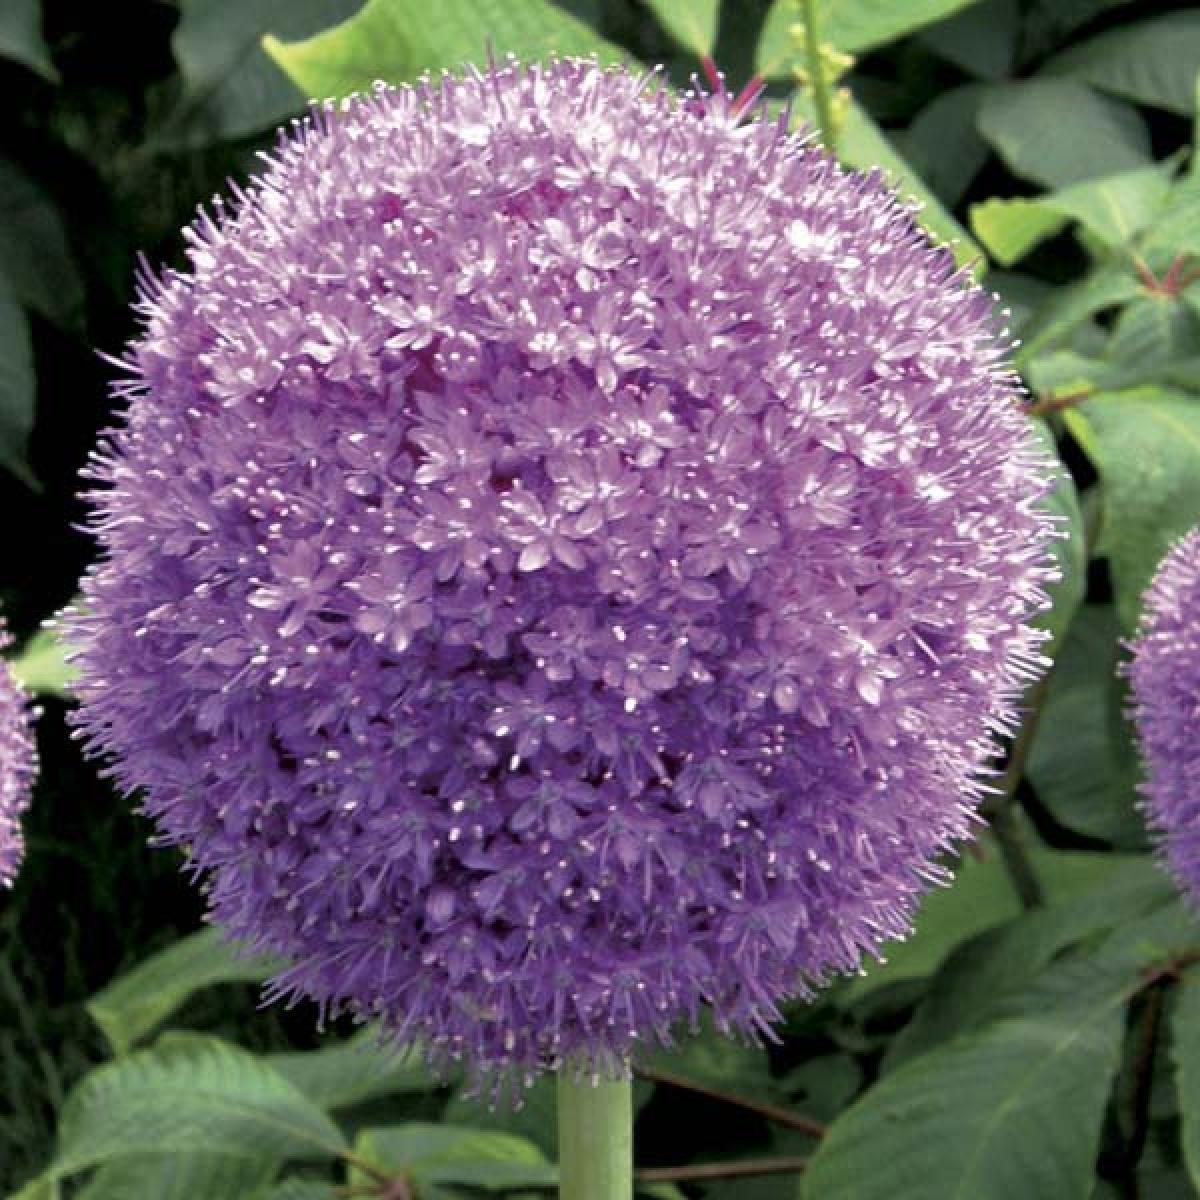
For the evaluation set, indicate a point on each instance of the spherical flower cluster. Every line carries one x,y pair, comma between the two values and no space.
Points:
18,762
567,555
1165,676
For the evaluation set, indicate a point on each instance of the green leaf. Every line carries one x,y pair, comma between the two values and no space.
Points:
34,253
1154,62
17,383
1145,445
692,23
1018,295
394,40
942,143
41,667
862,144
1069,551
1114,210
1009,229
39,1189
179,1177
1177,228
1059,131
822,1086
1047,23
1155,329
536,1120
1082,764
189,1094
849,25
437,1156
21,36
1069,307
1012,1110
981,897
131,1007
982,39
231,89
353,1071
1185,1054
983,976
713,1058
298,1189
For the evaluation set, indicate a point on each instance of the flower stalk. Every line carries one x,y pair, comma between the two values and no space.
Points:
595,1136
818,79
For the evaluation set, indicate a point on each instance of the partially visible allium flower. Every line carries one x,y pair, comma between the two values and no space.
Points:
566,559
1165,677
17,765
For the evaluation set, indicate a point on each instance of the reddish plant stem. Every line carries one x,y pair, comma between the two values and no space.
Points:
772,1112
1057,401
737,1169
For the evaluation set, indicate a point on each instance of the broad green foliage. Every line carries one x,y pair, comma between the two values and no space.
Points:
692,23
363,1068
1185,1052
1145,443
985,976
1069,550
982,897
41,666
863,144
230,87
17,383
849,25
34,252
189,1095
445,1160
943,145
391,40
174,1176
982,39
1153,62
1015,1108
21,36
1114,210
1082,765
131,1007
1057,132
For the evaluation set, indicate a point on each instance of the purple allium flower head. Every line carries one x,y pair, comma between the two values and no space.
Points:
567,555
1165,676
18,762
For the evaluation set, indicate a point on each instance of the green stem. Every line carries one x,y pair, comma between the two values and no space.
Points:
822,100
1011,842
595,1137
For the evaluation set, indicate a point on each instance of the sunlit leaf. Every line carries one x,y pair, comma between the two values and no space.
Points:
41,666
1114,209
395,41
849,25
692,23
